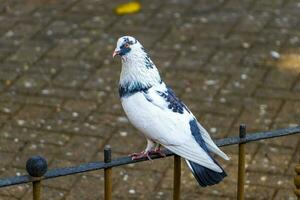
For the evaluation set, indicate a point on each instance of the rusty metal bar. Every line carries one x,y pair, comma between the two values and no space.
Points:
176,177
36,191
107,174
241,164
297,181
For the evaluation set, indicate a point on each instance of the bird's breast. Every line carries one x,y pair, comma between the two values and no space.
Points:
136,109
141,114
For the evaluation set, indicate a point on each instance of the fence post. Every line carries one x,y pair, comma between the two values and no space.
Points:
176,177
241,163
107,174
297,181
36,167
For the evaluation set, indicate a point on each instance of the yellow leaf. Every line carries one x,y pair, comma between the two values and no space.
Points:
128,8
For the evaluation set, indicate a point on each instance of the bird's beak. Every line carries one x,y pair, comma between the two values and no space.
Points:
115,53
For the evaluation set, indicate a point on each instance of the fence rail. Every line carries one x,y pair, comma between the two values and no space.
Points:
39,170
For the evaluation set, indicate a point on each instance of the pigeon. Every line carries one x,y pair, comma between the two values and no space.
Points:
153,108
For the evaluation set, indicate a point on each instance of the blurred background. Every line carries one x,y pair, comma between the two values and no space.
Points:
230,61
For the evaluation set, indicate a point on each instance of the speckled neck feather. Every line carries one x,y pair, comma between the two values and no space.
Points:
138,72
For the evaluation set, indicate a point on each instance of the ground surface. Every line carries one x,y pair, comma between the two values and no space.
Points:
230,61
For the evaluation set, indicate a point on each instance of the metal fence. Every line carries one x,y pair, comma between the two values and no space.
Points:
36,166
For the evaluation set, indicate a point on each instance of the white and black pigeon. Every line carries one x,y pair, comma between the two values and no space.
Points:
154,109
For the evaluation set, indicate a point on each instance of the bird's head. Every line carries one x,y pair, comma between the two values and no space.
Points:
137,67
126,47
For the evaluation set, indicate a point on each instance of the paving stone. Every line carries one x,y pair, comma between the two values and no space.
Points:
6,158
93,188
30,99
295,161
98,50
214,106
8,77
258,192
255,19
24,134
9,107
78,128
57,94
66,48
29,53
8,198
277,94
264,111
31,149
70,78
208,197
4,117
162,194
57,29
32,116
269,180
73,153
49,193
285,194
7,145
15,138
136,185
244,83
280,79
77,106
14,192
125,145
271,159
243,5
72,110
284,20
30,83
289,113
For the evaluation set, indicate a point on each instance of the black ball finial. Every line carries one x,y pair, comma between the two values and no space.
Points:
36,166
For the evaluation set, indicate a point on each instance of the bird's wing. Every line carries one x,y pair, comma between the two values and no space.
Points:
206,137
210,143
174,126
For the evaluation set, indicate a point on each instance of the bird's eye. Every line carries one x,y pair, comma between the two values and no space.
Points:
126,45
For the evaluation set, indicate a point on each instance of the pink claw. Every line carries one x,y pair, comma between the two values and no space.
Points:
142,154
159,152
136,154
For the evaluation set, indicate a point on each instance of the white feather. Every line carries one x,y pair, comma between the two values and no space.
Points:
165,127
210,143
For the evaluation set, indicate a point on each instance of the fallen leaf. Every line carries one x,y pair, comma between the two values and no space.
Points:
128,8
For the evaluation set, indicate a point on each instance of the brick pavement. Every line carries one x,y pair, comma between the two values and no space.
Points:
58,90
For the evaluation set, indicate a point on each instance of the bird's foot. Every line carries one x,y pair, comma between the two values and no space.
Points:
143,154
159,152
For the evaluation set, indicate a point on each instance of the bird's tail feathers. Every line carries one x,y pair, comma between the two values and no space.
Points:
210,143
192,155
219,152
205,176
